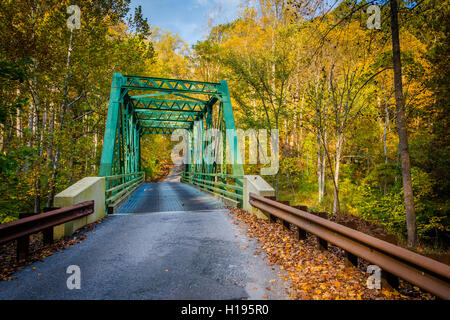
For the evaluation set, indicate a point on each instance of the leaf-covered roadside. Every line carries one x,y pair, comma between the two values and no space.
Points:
38,251
313,274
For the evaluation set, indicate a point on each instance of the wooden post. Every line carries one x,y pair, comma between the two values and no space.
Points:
272,218
351,259
23,244
389,280
48,235
322,244
301,234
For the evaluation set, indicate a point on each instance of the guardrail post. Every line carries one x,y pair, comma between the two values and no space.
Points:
322,244
23,244
351,259
389,280
300,233
48,235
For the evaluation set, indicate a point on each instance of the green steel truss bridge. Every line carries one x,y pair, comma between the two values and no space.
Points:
146,105
174,225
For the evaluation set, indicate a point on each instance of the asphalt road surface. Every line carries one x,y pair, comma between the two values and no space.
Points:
168,241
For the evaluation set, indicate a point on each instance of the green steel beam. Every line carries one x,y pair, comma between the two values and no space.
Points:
162,124
175,113
168,105
148,95
111,128
189,97
168,116
157,131
170,85
157,102
231,137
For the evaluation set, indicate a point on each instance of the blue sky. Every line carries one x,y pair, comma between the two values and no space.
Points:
187,18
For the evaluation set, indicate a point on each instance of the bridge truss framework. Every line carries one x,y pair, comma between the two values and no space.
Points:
147,105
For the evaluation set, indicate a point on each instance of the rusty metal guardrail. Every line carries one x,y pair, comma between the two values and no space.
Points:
21,229
421,271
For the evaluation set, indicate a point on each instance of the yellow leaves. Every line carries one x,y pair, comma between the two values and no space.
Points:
390,294
387,293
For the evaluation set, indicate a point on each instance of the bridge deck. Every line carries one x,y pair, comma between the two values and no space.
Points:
171,242
168,196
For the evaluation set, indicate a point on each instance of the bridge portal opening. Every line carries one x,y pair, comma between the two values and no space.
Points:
141,108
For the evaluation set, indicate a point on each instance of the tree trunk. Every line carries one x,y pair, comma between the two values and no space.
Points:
386,122
336,202
319,168
52,185
321,162
402,130
323,166
36,137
